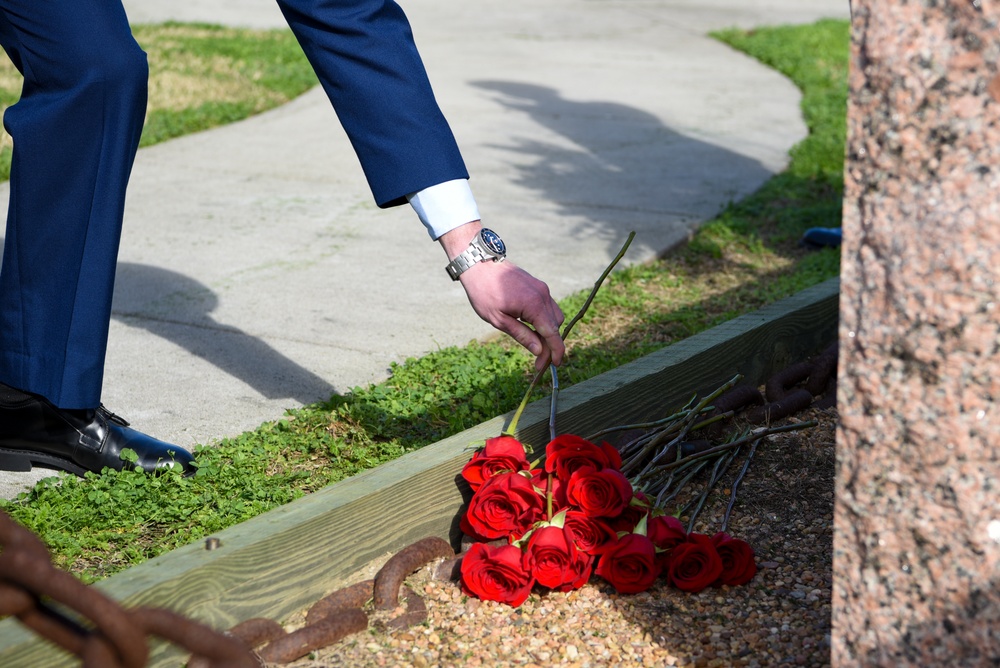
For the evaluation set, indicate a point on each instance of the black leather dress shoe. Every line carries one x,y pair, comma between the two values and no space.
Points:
33,432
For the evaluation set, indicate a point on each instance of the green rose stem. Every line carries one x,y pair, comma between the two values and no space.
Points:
662,501
756,434
639,425
648,452
683,427
736,485
654,480
552,436
645,439
721,465
554,401
512,427
651,429
647,442
548,496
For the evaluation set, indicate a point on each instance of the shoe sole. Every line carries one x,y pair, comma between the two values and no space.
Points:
22,461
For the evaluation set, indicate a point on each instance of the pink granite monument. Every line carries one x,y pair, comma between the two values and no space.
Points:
917,523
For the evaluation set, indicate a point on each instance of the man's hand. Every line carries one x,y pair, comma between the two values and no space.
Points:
510,299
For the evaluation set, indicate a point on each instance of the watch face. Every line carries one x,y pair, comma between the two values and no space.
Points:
493,242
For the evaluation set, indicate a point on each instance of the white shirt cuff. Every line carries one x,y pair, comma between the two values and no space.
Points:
445,206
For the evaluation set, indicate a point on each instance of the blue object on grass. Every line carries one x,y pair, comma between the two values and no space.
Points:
821,237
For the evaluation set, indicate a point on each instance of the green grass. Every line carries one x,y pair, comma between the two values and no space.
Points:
200,77
743,259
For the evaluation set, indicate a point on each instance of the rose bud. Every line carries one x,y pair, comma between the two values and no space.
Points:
497,574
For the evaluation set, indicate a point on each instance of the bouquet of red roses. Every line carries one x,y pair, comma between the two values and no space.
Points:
556,525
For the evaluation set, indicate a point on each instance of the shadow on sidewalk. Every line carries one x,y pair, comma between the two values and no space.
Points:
179,309
621,161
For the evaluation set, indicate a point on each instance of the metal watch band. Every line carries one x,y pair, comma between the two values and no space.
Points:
465,260
476,252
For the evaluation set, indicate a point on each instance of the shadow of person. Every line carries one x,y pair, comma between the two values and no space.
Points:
179,309
619,167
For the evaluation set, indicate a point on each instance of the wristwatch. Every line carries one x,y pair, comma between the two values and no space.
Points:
487,245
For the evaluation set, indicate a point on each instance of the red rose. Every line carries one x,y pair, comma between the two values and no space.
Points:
590,534
630,565
502,454
497,574
666,532
556,563
694,564
599,493
568,453
640,506
738,565
505,504
629,518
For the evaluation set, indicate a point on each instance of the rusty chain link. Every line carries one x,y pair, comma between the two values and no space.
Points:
113,637
118,637
793,389
341,613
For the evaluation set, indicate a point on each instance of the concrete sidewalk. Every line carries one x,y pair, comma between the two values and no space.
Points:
256,274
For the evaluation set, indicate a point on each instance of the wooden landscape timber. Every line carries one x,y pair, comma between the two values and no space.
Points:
285,560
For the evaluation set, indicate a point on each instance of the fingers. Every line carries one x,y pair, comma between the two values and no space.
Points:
555,346
550,346
528,338
511,299
546,349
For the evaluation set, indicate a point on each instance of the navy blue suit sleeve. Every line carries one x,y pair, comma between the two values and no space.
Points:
364,55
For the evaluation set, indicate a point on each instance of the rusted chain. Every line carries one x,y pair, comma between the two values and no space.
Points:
341,613
354,596
336,626
449,569
117,638
788,391
24,565
113,637
781,383
255,632
790,403
741,396
220,650
404,562
252,634
415,613
824,371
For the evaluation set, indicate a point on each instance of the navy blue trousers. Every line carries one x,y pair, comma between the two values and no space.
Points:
76,128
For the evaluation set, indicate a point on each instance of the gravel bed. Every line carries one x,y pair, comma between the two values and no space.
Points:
782,617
